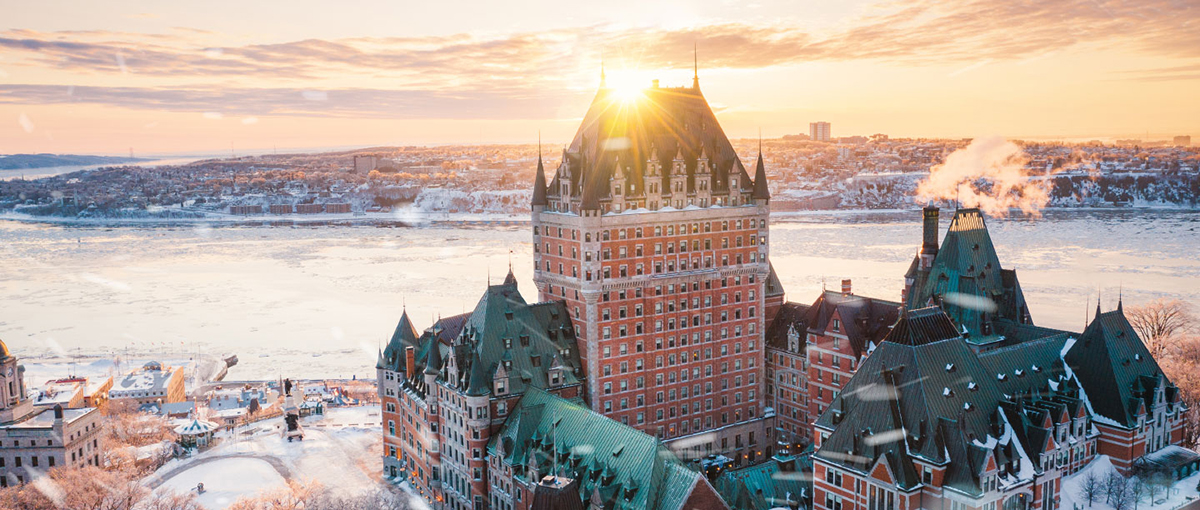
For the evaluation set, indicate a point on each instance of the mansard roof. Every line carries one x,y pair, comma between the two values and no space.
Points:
1114,365
662,125
630,469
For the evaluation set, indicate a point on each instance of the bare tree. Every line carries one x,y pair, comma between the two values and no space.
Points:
314,496
1090,487
1159,322
1114,486
90,488
1123,493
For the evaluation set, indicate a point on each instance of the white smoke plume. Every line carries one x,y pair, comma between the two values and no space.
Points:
990,174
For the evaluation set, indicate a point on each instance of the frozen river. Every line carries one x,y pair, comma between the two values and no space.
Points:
318,301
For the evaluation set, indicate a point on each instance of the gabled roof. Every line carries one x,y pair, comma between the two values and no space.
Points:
791,316
864,320
1114,366
630,468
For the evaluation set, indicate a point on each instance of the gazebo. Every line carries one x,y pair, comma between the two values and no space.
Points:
198,433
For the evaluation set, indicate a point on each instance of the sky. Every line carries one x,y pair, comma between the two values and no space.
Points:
160,78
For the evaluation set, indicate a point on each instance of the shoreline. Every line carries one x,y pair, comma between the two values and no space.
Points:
410,219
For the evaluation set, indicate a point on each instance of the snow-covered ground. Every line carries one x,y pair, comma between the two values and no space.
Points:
1181,492
340,450
227,480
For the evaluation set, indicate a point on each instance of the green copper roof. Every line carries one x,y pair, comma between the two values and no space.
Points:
1115,368
776,483
629,468
967,281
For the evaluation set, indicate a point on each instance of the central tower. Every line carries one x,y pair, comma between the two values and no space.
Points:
652,231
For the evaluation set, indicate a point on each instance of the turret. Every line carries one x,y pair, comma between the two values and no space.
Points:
539,186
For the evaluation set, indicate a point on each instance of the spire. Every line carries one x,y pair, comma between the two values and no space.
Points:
695,67
1098,304
539,179
761,192
1120,297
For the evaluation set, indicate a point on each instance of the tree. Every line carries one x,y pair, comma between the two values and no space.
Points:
1090,487
91,488
1159,322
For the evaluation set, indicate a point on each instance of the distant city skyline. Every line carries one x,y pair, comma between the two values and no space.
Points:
83,78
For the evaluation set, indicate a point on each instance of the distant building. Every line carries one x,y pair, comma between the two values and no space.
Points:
35,439
364,164
309,209
151,384
281,209
245,209
1183,141
337,208
818,131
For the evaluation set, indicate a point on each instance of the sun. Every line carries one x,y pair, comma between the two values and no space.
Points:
626,87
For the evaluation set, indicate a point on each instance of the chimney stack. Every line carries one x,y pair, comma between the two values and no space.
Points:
845,286
929,244
410,354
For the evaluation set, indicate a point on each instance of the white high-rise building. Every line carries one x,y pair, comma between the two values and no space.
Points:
818,131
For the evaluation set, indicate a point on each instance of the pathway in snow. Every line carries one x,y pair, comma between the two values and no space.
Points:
158,479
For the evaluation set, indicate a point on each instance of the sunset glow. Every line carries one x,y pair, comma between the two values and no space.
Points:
162,79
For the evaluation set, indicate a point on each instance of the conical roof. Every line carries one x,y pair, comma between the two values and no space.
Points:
539,184
760,181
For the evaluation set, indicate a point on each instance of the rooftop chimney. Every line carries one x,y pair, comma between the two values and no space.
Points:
929,244
845,286
410,354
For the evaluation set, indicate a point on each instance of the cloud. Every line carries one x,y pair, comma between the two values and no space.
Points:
465,75
924,31
216,103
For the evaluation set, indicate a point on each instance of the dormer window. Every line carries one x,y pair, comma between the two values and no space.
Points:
837,325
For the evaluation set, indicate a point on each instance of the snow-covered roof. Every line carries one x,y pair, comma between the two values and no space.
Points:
196,427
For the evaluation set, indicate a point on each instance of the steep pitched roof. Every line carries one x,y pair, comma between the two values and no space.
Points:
630,468
790,316
921,393
1111,361
539,184
864,320
405,335
503,331
761,192
662,124
967,281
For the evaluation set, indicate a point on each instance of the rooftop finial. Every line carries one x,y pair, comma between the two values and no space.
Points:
695,66
760,140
